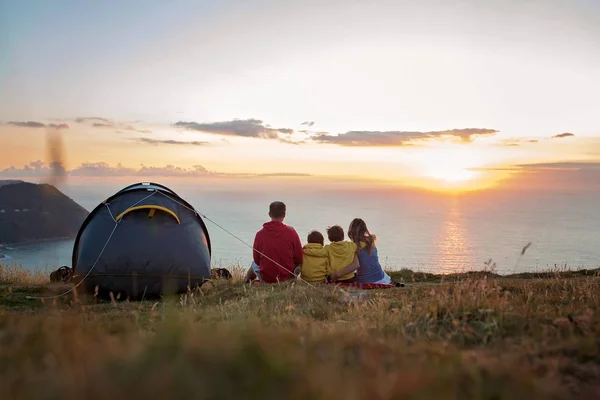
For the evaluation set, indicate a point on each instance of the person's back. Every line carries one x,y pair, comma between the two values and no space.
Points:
315,263
340,252
277,249
370,270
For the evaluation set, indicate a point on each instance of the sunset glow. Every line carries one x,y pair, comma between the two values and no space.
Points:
450,174
360,185
400,106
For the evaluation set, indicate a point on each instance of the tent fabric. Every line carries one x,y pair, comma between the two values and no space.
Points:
159,246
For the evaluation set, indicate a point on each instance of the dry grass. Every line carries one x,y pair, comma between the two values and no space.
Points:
15,274
473,336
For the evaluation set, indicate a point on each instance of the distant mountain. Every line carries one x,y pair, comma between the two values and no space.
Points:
9,182
32,212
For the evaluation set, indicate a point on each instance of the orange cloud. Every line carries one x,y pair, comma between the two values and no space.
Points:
35,124
246,128
563,135
397,138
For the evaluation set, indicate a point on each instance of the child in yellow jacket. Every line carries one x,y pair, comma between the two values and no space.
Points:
341,255
315,263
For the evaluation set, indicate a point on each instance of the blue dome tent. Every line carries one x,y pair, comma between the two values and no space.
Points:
143,242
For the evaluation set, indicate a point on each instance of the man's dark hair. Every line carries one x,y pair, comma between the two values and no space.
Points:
277,209
335,233
316,237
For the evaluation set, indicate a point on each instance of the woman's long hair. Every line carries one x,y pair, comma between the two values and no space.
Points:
358,232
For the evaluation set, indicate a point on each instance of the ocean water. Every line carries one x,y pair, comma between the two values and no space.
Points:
417,230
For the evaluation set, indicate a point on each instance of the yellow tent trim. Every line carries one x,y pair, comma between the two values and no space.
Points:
150,207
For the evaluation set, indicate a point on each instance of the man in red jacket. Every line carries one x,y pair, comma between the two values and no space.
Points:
277,249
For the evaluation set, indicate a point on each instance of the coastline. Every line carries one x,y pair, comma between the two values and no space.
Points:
20,252
36,241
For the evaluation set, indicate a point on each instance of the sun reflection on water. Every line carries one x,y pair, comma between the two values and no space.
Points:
453,248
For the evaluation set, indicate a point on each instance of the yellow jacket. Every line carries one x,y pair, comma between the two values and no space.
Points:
315,263
339,254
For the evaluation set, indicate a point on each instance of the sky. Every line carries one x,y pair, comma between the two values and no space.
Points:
441,95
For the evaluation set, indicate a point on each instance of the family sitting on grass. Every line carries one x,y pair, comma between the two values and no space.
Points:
278,254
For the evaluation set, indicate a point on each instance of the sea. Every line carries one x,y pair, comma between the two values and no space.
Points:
504,231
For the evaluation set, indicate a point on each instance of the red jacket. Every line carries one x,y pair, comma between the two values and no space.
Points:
281,244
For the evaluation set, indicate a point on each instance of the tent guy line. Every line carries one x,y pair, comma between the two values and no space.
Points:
117,223
237,238
86,275
99,255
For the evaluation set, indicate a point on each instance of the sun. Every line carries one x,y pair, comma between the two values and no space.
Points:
452,168
450,174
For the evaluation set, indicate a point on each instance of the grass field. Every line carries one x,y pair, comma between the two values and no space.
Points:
466,336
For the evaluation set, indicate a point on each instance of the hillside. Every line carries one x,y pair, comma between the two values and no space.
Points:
479,337
32,212
9,182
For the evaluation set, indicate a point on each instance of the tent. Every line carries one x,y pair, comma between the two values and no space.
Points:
143,242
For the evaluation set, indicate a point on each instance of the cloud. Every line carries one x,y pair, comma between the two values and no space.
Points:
102,125
133,128
308,123
466,135
156,142
397,138
279,174
96,122
563,165
82,120
28,124
563,135
99,122
253,128
493,169
33,169
39,169
170,170
103,169
508,143
58,126
550,166
560,175
294,142
34,124
99,169
515,142
551,176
